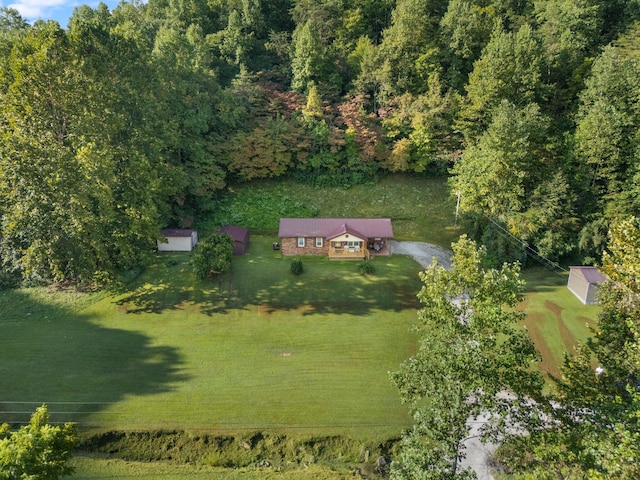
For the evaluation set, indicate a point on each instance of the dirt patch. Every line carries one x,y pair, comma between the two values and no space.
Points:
547,364
554,307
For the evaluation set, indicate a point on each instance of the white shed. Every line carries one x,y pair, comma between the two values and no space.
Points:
178,240
584,283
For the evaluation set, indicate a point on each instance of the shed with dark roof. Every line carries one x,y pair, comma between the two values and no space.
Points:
584,282
240,236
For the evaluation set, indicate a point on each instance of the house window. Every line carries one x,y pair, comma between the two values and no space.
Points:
353,244
319,242
301,241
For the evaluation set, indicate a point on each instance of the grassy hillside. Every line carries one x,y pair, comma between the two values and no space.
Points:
421,209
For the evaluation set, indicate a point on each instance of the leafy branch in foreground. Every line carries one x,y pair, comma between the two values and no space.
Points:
474,360
37,450
596,433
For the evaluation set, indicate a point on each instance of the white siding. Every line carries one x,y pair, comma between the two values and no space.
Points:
346,237
578,285
179,244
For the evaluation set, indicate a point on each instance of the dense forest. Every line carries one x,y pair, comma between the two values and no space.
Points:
129,120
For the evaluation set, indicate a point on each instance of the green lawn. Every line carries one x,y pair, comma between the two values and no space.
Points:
557,321
421,209
255,349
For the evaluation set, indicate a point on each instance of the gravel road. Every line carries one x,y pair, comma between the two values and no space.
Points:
422,252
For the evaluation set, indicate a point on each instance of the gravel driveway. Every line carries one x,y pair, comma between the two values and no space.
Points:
422,252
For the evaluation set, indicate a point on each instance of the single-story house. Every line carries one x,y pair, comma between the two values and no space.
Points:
177,240
240,236
337,238
584,283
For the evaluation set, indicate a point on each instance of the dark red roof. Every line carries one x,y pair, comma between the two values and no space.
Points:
239,234
344,228
332,227
176,232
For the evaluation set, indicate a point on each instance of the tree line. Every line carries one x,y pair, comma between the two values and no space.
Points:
128,120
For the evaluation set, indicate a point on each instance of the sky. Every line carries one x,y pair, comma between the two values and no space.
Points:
59,10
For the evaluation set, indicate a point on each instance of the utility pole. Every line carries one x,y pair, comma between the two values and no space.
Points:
457,207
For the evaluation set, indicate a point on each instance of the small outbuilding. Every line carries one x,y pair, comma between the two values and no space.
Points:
584,282
177,240
240,236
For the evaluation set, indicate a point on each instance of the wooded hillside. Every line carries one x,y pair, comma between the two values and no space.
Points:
130,120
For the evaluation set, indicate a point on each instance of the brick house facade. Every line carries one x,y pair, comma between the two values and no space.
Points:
350,238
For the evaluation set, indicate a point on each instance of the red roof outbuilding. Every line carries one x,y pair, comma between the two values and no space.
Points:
240,236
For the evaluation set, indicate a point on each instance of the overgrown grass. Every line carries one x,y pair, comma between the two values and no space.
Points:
420,208
96,467
263,450
556,320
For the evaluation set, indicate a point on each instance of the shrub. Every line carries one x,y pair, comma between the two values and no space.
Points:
366,267
296,267
212,255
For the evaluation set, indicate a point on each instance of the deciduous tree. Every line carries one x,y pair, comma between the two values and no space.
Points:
38,450
212,255
510,68
496,175
410,45
474,358
467,26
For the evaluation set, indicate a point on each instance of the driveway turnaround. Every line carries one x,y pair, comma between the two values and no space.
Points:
423,253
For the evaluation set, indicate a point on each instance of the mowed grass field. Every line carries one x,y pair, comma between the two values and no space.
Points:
556,320
257,348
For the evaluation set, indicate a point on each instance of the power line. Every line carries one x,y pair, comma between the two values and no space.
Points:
532,253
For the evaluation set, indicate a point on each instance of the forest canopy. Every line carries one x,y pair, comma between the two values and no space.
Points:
126,121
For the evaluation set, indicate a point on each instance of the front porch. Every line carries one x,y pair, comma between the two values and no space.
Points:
348,253
356,250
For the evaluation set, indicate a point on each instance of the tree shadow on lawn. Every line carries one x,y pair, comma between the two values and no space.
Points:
264,281
56,356
340,296
541,280
317,291
167,286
